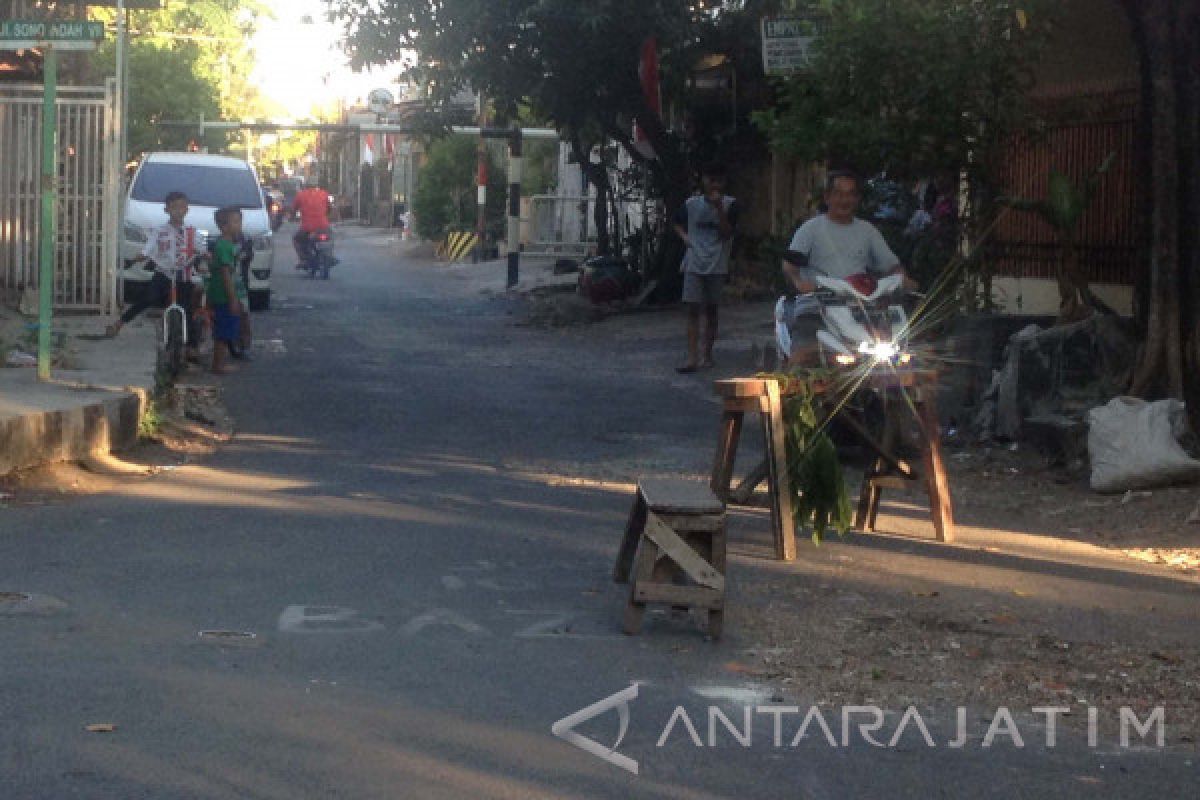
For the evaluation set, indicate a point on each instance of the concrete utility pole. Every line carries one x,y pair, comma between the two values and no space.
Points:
515,163
481,181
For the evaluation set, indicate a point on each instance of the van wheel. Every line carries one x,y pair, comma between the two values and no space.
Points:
260,300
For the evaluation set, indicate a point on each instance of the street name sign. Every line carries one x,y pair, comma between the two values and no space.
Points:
787,43
25,34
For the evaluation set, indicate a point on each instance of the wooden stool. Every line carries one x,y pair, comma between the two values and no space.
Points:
747,395
677,531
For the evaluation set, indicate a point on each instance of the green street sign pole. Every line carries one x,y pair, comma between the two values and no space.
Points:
49,36
47,233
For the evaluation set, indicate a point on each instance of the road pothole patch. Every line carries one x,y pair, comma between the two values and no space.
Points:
27,604
229,638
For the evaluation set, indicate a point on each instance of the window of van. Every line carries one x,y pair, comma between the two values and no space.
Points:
216,187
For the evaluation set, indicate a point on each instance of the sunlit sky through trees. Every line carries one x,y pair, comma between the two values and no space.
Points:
300,66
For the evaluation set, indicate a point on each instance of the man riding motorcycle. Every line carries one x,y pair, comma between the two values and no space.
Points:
313,205
835,246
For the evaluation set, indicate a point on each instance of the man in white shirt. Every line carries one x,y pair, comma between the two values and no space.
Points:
837,243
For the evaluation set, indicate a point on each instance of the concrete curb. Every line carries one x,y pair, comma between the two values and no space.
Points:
108,424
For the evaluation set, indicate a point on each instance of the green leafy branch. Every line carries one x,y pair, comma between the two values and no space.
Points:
820,499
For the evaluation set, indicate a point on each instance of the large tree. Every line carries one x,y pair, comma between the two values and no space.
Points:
186,60
571,63
921,88
1167,33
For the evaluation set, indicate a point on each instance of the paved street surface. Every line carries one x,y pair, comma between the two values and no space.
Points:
417,520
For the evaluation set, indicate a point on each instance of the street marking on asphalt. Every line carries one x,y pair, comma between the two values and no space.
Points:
442,616
325,619
478,566
556,626
512,585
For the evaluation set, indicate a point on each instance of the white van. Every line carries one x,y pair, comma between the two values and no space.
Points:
210,182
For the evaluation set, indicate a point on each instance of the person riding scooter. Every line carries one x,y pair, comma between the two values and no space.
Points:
835,246
314,206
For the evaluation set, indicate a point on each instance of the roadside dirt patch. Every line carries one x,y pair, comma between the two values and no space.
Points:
1016,490
847,647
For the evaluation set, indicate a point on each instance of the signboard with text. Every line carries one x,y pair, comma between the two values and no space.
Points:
25,34
787,43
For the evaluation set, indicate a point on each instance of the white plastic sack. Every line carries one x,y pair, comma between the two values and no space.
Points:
1133,445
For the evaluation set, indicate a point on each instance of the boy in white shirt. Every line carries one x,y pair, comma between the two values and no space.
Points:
171,248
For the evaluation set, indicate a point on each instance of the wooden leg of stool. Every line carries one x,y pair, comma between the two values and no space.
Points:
873,511
716,617
629,544
647,559
940,506
868,497
779,482
723,465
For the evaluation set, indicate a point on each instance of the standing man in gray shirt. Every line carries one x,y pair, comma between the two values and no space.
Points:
706,224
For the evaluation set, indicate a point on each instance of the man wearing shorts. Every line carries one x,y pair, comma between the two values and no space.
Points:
706,224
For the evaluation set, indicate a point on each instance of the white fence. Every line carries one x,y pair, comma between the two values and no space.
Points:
561,226
89,191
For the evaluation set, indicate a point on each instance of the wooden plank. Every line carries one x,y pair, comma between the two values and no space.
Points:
745,490
746,405
679,497
682,554
629,542
783,526
881,449
647,557
941,508
895,482
727,445
693,523
741,387
668,594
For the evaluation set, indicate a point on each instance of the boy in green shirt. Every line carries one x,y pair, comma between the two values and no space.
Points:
222,296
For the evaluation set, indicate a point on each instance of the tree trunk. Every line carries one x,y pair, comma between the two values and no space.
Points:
597,175
1162,351
1187,79
671,170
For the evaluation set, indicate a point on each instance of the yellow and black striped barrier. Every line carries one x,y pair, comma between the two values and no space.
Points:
457,245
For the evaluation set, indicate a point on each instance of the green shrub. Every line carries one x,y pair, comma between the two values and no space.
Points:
445,198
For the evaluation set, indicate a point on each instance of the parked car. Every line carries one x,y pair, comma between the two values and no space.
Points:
210,182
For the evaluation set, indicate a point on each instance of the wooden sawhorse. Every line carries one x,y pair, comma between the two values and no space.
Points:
677,532
765,397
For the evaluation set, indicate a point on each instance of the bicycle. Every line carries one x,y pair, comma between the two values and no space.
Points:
175,327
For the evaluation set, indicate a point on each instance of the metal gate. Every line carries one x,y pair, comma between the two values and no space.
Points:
89,190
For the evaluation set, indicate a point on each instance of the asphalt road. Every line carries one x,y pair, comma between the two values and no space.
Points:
429,591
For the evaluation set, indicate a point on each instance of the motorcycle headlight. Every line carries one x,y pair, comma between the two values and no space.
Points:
262,243
885,351
133,233
880,351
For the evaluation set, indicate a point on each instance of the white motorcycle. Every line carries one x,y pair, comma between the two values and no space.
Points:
856,328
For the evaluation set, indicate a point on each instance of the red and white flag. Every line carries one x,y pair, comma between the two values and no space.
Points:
648,75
